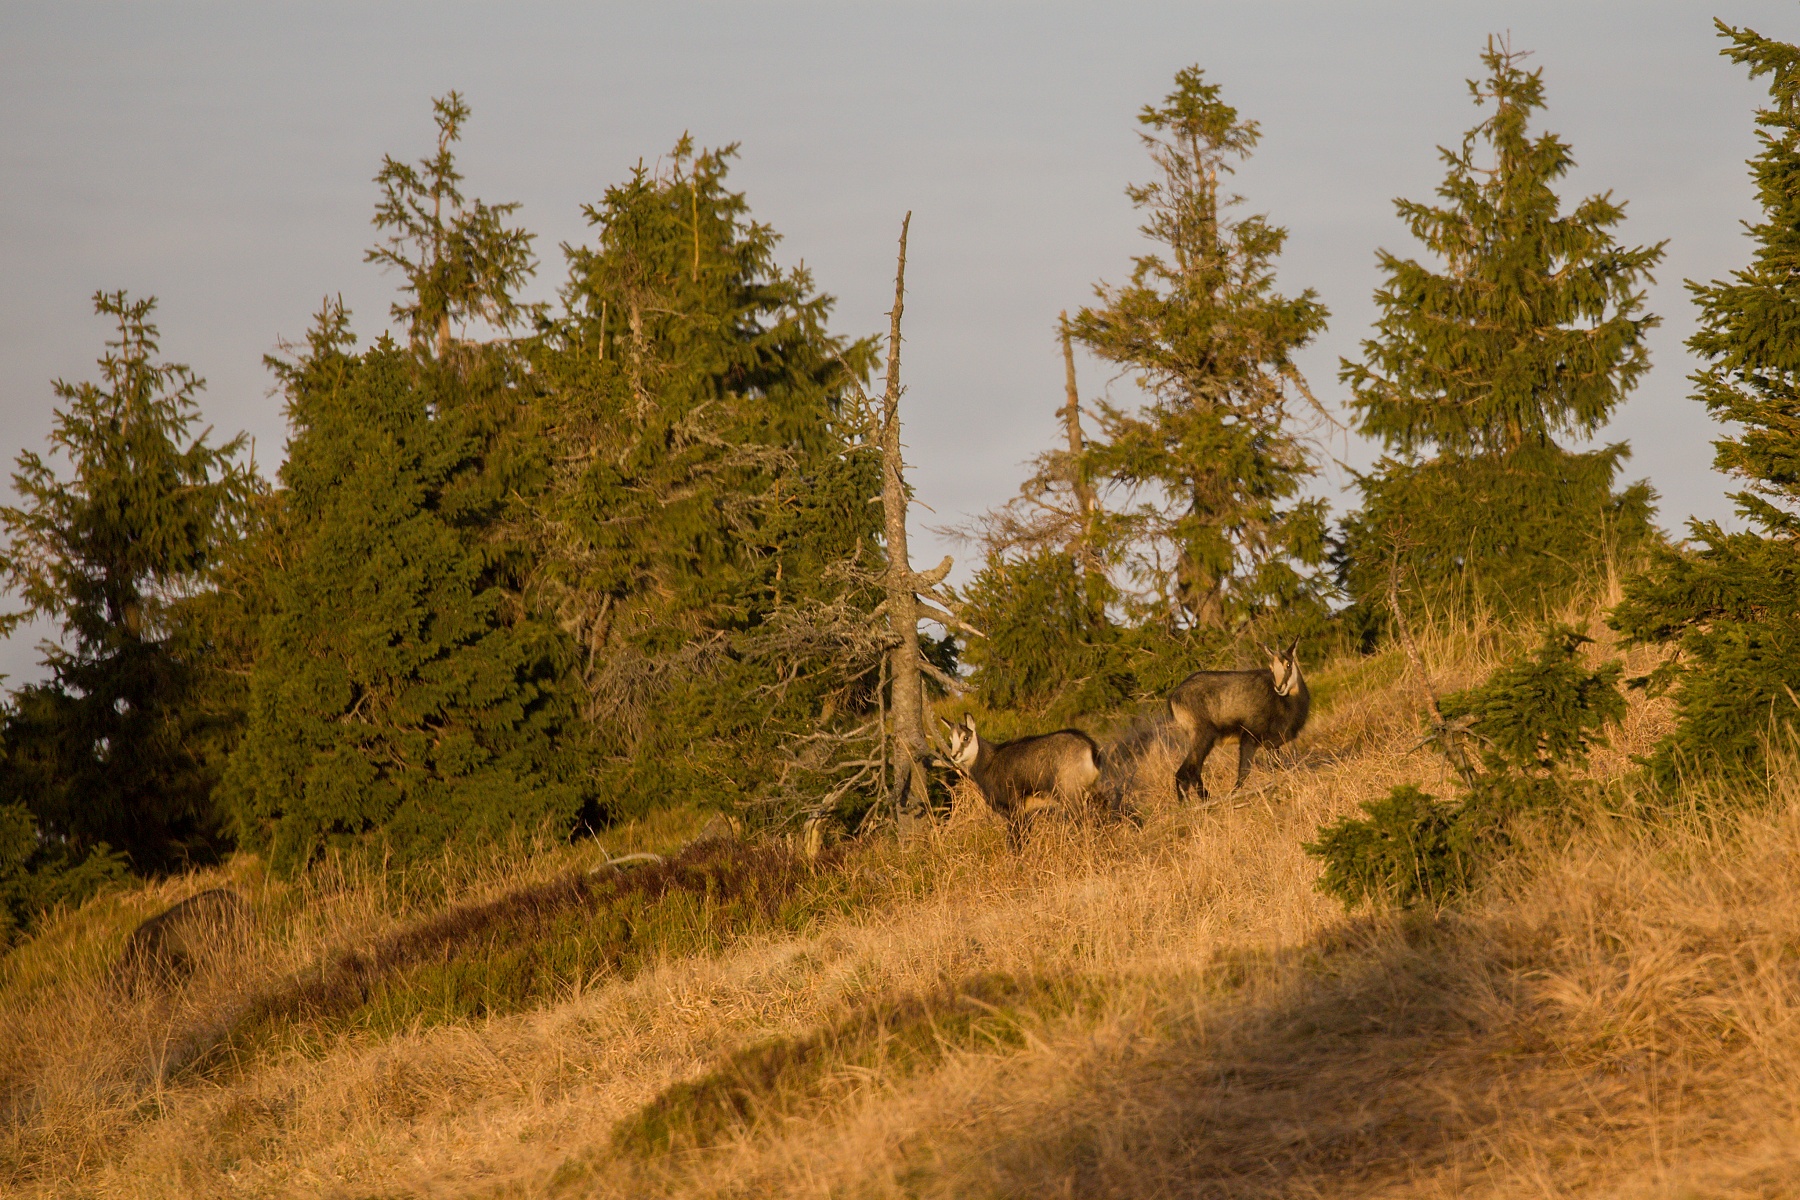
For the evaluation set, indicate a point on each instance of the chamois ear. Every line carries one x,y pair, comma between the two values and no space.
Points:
969,721
1293,652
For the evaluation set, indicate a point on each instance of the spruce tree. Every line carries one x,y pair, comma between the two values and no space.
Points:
1532,723
119,747
711,504
1730,602
403,686
1530,327
1217,533
1050,644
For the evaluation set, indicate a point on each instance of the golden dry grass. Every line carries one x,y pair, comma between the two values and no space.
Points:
1118,1011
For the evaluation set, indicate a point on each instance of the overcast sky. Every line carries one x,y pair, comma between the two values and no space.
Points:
219,156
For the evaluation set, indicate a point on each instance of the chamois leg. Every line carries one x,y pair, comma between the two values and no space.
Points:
1246,751
1012,813
1017,821
1190,780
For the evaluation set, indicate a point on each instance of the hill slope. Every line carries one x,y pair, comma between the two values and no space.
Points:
1118,1011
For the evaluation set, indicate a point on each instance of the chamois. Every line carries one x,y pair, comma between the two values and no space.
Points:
169,947
1063,765
1260,708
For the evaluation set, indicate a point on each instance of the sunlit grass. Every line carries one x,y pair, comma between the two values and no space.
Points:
1120,1010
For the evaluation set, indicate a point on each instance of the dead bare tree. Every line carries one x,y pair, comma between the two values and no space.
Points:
912,596
1081,488
878,644
1057,508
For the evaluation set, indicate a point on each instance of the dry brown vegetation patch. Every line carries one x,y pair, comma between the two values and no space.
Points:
1164,1009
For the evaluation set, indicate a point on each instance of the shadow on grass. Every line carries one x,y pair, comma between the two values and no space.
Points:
1386,1051
893,1037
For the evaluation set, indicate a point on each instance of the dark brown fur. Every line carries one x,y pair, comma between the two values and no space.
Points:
170,946
1247,705
1063,765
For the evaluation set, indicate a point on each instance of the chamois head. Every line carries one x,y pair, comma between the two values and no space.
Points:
1284,665
965,745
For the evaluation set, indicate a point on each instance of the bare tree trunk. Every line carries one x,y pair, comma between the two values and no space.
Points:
904,676
635,367
1085,552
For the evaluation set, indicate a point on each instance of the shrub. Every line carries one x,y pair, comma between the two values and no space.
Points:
1531,725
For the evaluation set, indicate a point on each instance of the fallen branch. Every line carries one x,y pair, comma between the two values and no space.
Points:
626,860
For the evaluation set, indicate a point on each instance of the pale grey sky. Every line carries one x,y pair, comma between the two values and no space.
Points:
219,156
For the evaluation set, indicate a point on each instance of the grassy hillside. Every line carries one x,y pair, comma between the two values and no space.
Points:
1169,1009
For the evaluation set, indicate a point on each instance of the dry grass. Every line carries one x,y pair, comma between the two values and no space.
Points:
1118,1011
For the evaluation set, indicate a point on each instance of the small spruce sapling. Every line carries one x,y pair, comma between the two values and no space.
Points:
36,873
1532,726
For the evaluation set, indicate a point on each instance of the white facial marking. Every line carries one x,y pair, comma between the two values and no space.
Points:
1287,671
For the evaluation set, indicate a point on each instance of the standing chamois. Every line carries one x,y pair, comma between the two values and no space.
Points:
1260,708
1062,765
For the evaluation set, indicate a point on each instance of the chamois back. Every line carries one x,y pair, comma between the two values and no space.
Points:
1263,707
169,947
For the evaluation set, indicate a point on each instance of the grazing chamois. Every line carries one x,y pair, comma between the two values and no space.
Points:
1062,765
169,947
1260,708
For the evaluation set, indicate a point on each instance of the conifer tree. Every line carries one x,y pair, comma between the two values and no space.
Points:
457,265
119,747
1730,603
709,535
1530,327
1533,723
402,685
1219,533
